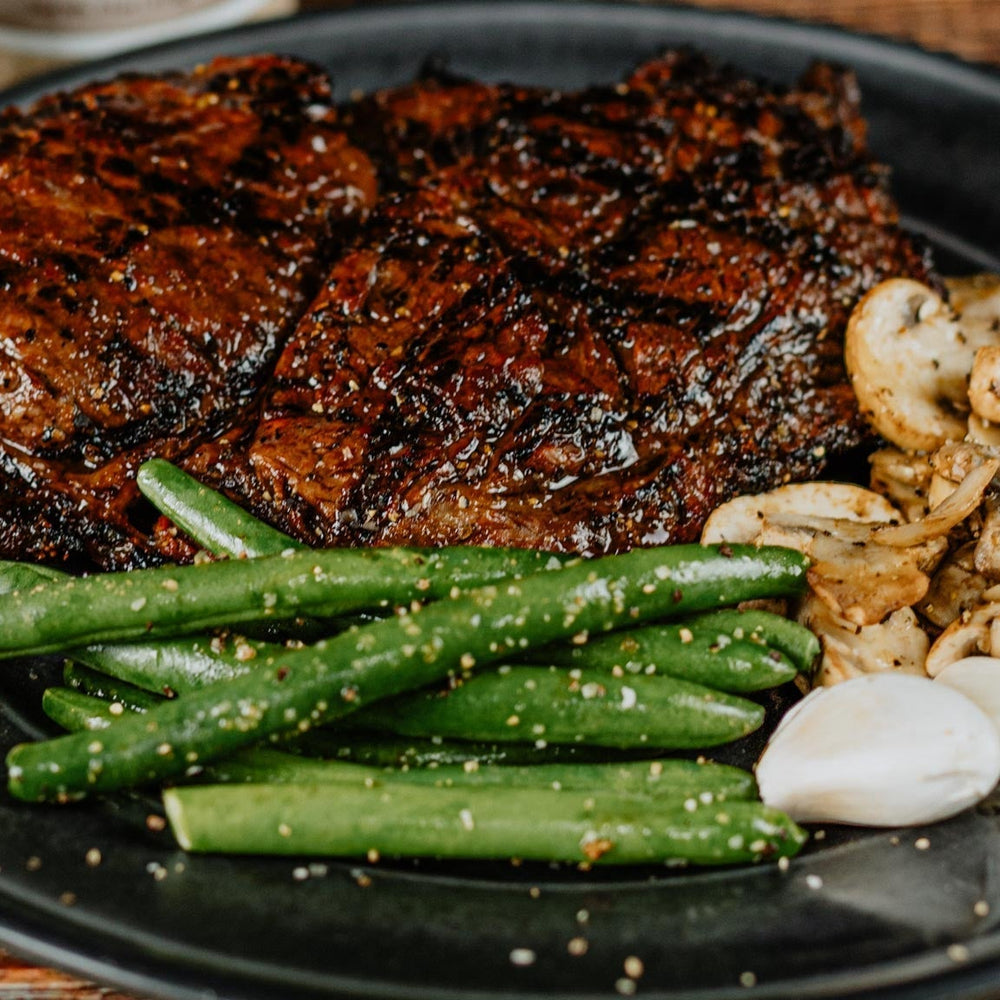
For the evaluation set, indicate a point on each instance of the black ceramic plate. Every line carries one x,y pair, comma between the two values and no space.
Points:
910,915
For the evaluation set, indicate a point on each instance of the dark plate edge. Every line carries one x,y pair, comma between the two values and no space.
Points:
979,977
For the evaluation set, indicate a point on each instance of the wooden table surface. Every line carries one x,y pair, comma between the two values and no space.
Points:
968,28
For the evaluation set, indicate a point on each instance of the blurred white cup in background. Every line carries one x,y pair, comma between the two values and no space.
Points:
38,35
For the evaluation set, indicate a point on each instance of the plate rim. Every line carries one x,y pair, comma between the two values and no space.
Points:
980,78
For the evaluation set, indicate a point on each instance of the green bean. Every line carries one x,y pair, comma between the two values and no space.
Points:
172,600
206,516
700,649
79,712
178,665
571,706
518,703
529,704
484,822
23,576
100,685
796,641
381,749
678,779
222,528
299,689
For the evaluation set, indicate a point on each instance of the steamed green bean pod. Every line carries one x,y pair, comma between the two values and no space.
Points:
670,777
571,706
210,519
484,822
179,600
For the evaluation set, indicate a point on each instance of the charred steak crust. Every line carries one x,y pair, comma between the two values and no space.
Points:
159,238
575,321
587,319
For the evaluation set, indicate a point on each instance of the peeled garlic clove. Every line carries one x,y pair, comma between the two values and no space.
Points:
978,678
882,750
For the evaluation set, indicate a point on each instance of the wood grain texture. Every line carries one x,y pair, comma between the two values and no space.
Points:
966,28
20,981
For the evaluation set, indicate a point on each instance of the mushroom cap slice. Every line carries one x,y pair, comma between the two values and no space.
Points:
741,520
896,644
835,525
984,384
957,586
909,360
968,635
976,298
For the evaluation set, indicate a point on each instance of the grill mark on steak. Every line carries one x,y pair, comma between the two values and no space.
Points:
573,321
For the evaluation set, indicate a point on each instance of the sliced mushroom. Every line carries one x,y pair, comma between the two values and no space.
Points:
864,582
956,587
987,550
976,299
741,520
904,480
861,581
963,500
898,644
983,432
909,360
834,524
968,635
984,384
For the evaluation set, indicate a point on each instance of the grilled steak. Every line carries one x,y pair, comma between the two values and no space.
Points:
159,238
574,321
592,319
